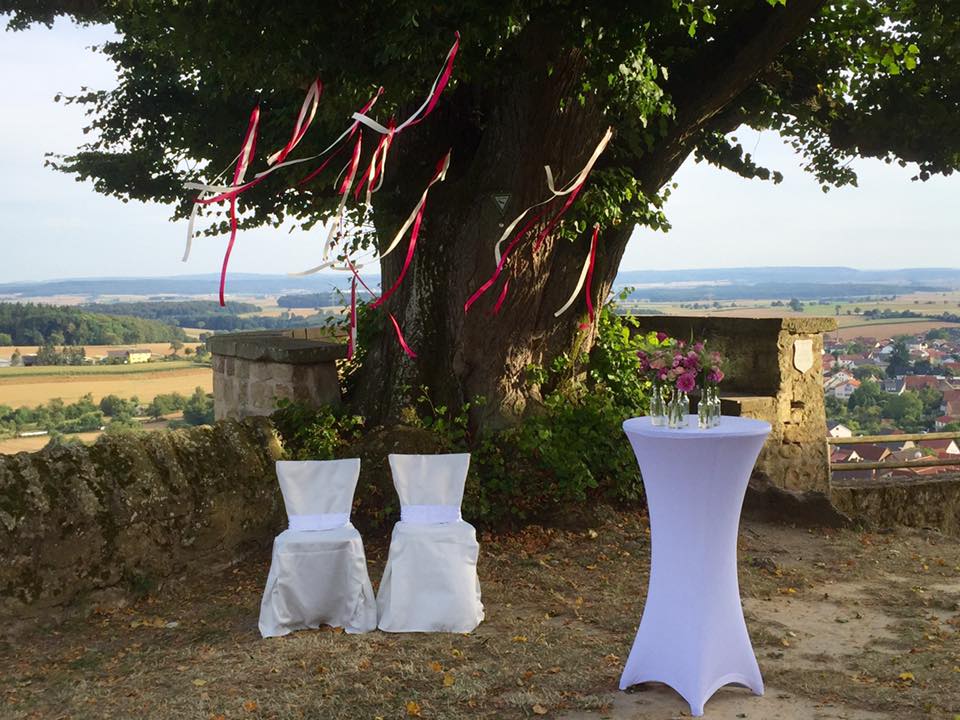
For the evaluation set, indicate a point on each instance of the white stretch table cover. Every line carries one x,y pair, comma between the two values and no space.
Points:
318,573
692,636
430,583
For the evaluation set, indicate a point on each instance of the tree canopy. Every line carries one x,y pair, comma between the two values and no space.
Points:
535,83
859,78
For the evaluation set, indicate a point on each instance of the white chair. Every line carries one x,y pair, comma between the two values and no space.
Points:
430,583
318,573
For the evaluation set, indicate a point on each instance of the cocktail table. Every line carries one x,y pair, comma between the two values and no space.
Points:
692,635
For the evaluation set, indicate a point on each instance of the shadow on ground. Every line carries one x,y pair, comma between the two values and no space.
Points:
845,625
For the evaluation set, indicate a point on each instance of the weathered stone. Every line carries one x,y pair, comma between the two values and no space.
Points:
253,370
80,519
763,381
930,502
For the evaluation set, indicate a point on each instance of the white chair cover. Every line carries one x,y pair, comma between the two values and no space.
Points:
430,583
692,635
318,573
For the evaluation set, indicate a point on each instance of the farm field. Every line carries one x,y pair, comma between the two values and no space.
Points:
20,389
97,350
887,328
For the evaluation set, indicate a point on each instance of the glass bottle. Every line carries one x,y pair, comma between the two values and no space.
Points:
657,410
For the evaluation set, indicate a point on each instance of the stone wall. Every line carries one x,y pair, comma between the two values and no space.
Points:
85,522
252,371
774,374
929,502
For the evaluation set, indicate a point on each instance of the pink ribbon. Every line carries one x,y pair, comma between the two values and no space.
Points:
438,173
500,265
593,258
396,326
249,145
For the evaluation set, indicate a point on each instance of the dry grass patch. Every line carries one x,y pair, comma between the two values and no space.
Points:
562,609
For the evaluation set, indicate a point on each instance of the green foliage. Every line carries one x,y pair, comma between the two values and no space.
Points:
6,338
32,324
313,433
899,361
568,452
166,403
875,79
198,409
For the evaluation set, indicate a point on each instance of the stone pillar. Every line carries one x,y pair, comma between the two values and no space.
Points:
775,373
253,370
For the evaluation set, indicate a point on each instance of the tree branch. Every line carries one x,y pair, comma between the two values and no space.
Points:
718,78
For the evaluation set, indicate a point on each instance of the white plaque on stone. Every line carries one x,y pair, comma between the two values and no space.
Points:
803,355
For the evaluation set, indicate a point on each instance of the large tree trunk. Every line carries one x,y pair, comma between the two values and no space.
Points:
502,134
500,141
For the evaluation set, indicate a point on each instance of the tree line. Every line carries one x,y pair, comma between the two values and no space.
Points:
35,324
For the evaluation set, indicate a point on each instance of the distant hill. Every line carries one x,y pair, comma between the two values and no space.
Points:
673,285
181,285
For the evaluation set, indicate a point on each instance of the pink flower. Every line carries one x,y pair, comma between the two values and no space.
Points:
662,374
698,347
661,336
677,360
715,375
686,382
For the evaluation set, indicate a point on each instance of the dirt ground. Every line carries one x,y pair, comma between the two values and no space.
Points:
845,624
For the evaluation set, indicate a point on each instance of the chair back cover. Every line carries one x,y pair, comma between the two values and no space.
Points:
318,487
430,479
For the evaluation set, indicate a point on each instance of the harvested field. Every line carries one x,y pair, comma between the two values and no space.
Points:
887,328
23,389
845,625
98,350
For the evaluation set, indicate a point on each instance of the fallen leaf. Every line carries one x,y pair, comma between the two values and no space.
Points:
199,683
908,676
448,679
250,705
456,653
413,708
539,709
519,638
436,667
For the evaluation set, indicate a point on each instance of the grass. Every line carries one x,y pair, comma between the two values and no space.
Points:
859,622
78,370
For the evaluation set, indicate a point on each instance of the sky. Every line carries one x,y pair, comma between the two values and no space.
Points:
56,227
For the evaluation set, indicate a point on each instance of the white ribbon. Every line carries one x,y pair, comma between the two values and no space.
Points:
374,257
583,277
429,514
578,180
313,523
374,125
309,106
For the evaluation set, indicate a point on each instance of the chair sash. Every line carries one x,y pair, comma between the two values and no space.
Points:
324,521
429,514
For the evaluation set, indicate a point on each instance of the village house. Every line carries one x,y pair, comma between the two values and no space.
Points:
843,390
129,356
837,429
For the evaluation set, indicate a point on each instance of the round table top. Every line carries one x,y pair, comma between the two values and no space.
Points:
729,426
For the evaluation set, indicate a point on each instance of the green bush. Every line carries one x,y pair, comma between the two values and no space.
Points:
568,454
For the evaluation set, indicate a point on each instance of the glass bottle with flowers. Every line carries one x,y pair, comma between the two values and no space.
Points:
708,415
656,361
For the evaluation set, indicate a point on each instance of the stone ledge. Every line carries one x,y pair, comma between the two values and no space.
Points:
298,347
743,325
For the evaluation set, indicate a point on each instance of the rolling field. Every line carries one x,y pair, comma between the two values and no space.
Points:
22,388
97,350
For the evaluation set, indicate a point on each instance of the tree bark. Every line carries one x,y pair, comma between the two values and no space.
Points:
502,136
